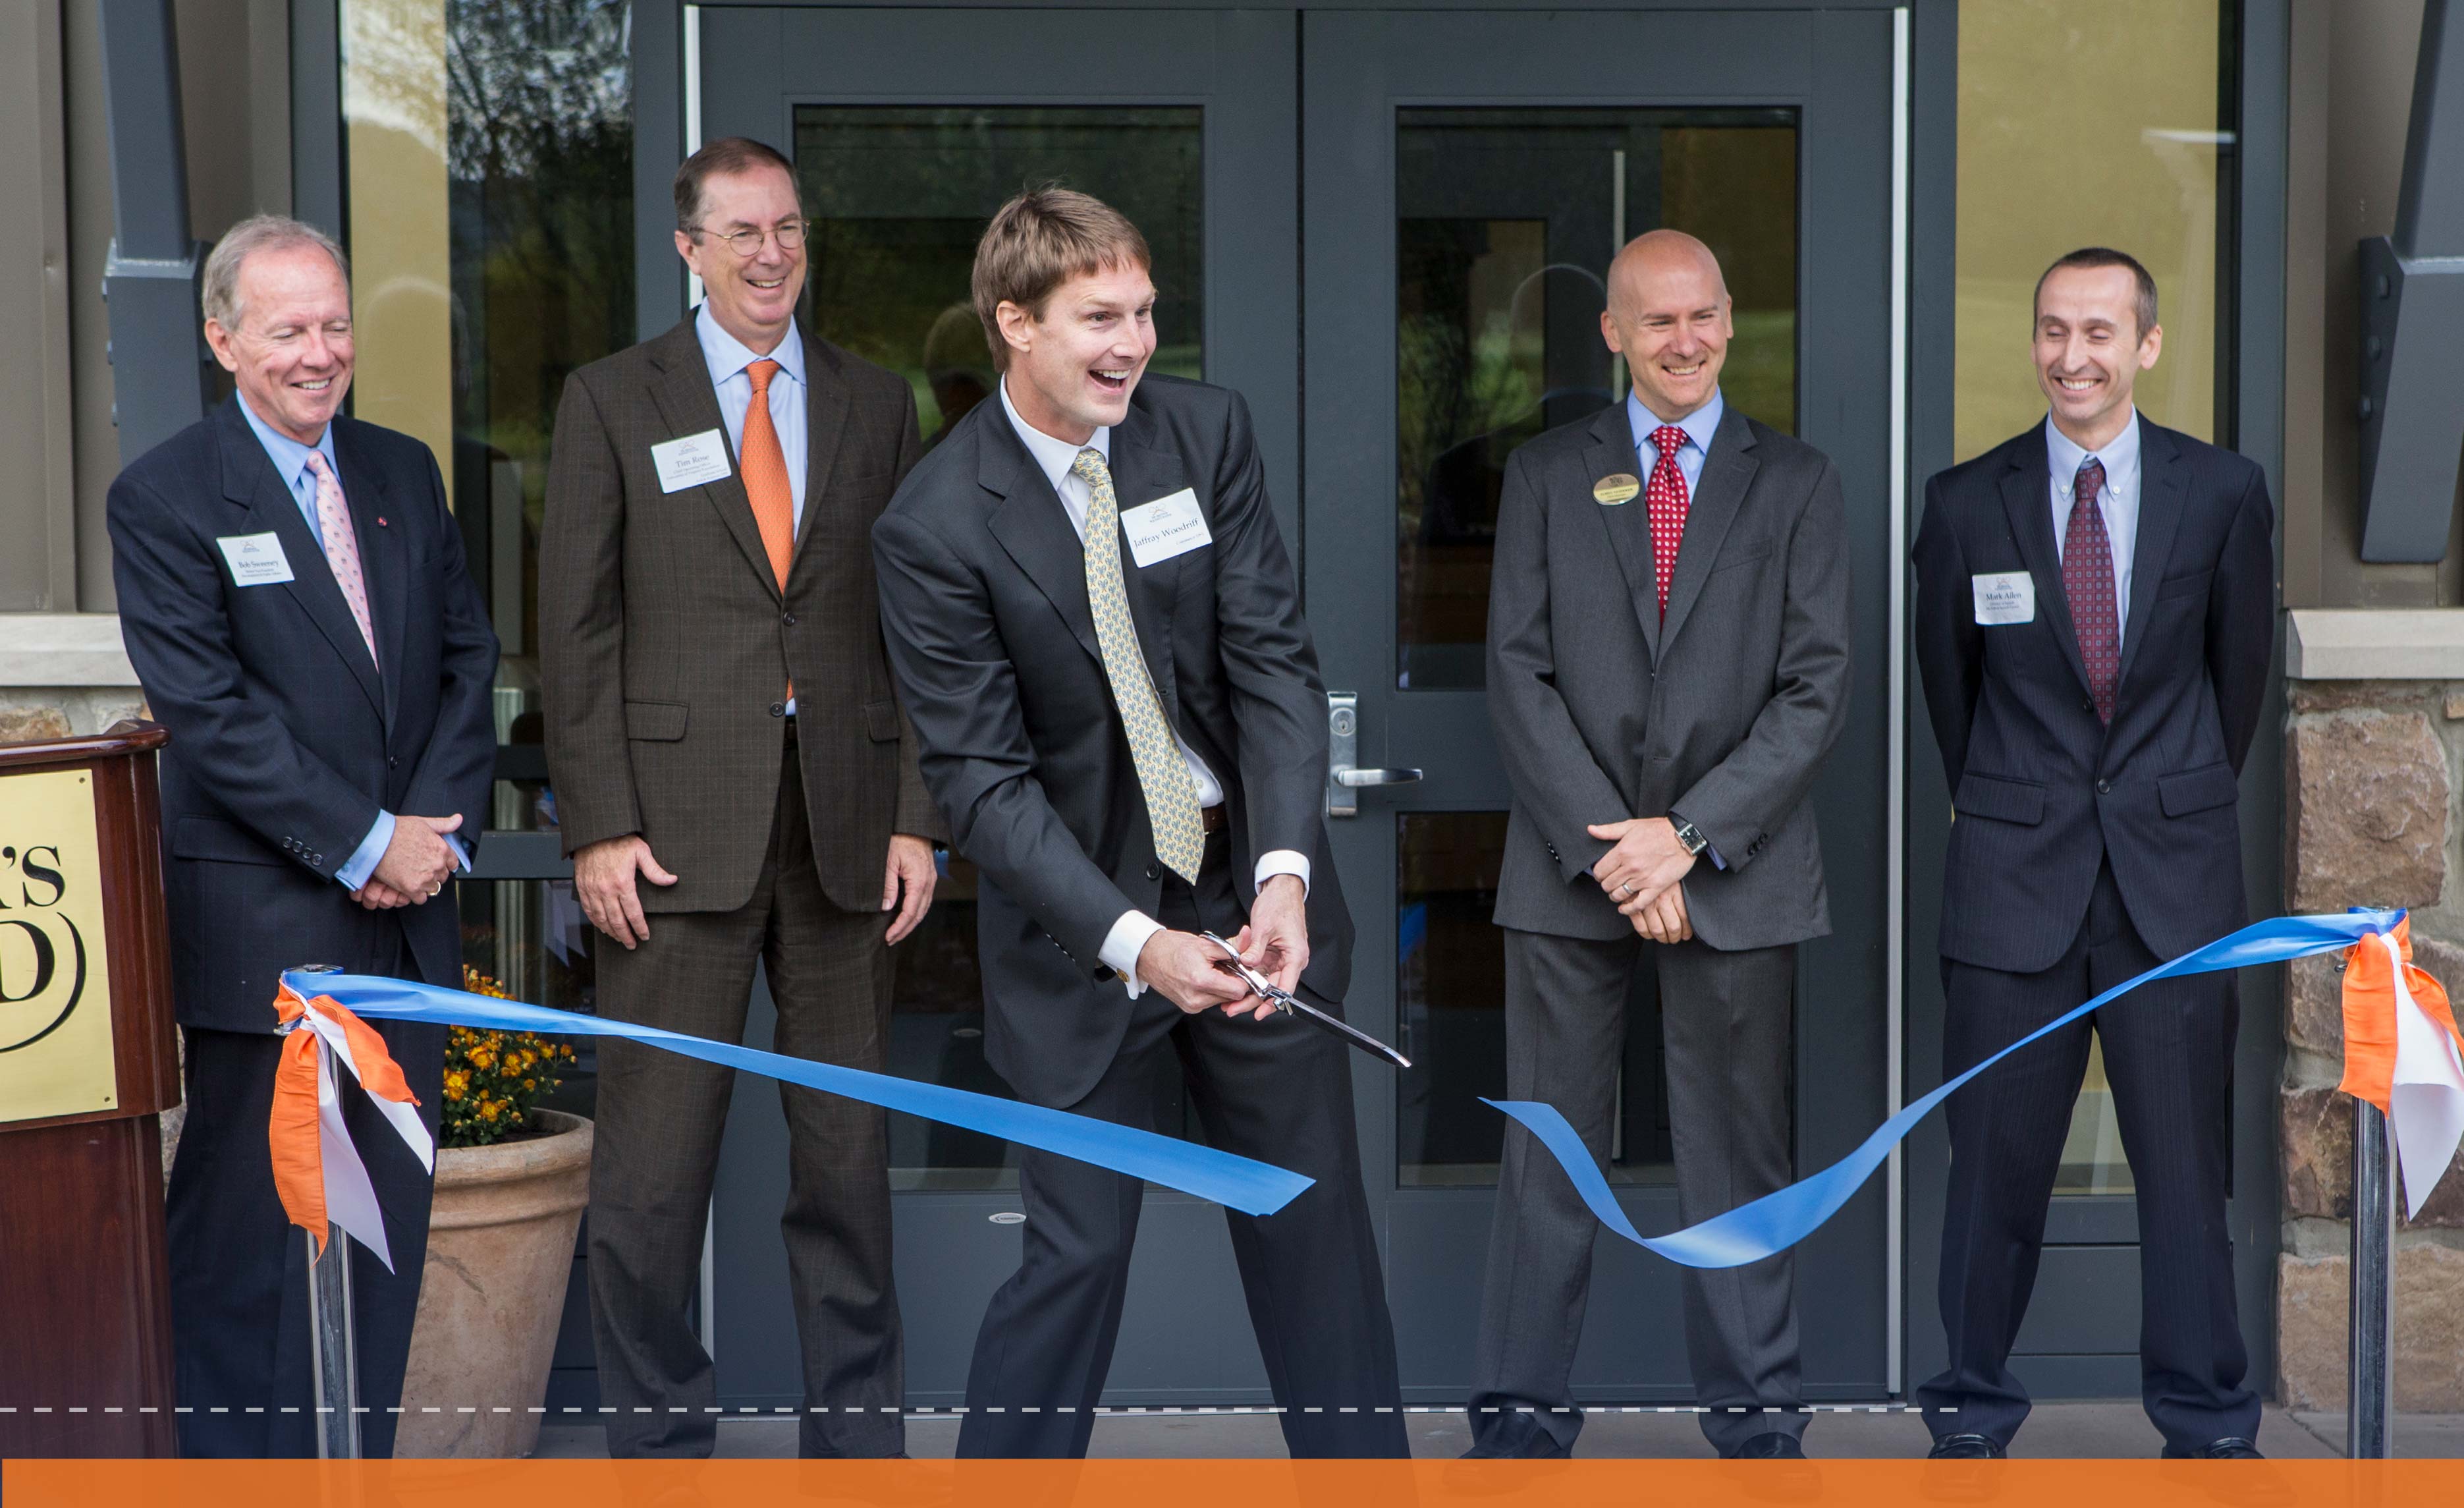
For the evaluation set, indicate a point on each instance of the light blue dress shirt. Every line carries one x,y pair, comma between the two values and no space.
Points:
289,460
2119,501
1699,427
728,358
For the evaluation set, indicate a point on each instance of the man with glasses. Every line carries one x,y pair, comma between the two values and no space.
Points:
703,580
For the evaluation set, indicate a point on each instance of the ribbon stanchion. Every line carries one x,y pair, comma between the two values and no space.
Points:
1780,1220
1237,1182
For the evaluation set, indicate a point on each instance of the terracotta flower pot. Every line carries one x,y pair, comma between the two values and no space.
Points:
499,1251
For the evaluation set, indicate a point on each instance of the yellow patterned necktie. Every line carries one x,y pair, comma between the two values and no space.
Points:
1164,774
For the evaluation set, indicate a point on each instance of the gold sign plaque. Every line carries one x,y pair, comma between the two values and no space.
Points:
56,1055
1617,487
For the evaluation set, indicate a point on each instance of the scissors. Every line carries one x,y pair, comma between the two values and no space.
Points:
1290,1003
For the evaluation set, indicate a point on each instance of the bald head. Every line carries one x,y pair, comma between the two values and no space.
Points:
1668,315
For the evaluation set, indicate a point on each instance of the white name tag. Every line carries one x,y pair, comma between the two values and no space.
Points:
691,462
2005,597
1165,527
257,560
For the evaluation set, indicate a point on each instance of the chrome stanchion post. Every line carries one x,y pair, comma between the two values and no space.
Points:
333,1359
2370,1388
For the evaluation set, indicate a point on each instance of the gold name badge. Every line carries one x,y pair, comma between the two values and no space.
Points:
56,1048
1615,488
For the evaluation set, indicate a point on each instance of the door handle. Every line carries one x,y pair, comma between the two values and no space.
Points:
1343,776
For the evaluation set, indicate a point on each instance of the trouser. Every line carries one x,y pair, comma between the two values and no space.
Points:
240,1334
1276,1090
2168,1056
659,1120
1725,1023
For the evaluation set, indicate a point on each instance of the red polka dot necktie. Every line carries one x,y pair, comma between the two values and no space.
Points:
1665,498
2088,580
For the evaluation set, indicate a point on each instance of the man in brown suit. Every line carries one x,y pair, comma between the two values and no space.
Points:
704,579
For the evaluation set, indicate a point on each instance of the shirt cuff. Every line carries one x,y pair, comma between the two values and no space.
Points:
363,862
1123,944
461,851
1284,861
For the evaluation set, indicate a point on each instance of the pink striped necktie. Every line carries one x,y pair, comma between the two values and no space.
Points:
343,548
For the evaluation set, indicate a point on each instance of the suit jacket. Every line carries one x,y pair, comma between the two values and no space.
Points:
1722,712
665,646
983,591
286,740
2043,793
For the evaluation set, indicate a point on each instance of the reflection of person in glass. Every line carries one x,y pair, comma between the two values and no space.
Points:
1093,618
702,582
955,366
2096,604
1668,665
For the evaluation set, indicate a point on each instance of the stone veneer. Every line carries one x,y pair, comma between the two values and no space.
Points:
2370,772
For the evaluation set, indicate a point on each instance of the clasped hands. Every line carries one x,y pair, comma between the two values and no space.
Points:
416,863
1641,875
1184,966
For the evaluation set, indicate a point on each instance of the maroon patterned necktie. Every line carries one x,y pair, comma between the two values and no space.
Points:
1666,501
2088,580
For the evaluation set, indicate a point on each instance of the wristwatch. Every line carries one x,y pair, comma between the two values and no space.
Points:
1689,836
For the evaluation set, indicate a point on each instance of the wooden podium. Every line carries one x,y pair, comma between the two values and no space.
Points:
88,1063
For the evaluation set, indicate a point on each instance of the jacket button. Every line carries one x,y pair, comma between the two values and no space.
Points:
1154,870
2087,704
778,709
789,620
2104,788
392,762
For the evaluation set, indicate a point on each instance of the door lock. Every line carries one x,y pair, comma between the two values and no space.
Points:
1344,777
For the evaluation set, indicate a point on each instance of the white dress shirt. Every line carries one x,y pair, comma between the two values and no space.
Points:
1057,458
728,358
2119,501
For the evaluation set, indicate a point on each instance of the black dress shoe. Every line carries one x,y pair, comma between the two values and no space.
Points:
1966,1448
1770,1446
2232,1447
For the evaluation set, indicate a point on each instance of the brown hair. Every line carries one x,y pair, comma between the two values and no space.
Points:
2143,304
726,156
1040,240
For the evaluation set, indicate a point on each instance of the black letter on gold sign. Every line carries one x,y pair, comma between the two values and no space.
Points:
59,886
46,963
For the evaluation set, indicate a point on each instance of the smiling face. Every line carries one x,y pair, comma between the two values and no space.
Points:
752,297
1669,314
1073,368
291,352
2090,350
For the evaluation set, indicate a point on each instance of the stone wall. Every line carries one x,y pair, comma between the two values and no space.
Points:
56,712
2371,769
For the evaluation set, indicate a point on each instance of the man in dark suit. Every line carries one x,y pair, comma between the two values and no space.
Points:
1098,630
1668,666
2094,608
293,595
703,581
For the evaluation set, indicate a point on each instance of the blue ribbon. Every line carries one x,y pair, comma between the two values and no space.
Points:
1780,1220
1242,1184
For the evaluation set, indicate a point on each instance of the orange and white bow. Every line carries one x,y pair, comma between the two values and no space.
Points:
2403,1054
317,1170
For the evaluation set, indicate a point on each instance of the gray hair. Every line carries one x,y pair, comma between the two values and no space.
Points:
219,286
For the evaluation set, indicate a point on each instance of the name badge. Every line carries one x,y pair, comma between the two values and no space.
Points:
257,560
1616,489
1165,527
691,462
2003,597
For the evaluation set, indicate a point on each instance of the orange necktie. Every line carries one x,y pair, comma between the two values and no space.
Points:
765,481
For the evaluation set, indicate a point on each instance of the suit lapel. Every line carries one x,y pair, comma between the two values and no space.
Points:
689,405
381,564
1033,525
2028,502
1627,524
1141,475
2160,518
826,402
1727,470
250,483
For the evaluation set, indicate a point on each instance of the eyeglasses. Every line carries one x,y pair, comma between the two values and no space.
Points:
747,243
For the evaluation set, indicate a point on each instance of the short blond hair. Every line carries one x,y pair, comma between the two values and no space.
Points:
1040,240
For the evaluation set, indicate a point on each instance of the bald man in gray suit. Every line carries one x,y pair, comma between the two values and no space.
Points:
1667,667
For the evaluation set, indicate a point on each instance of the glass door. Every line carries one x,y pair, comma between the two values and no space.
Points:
1467,177
908,129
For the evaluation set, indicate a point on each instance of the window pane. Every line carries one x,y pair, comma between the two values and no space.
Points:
1506,221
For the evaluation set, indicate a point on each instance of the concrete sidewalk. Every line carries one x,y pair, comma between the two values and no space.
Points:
2056,1430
